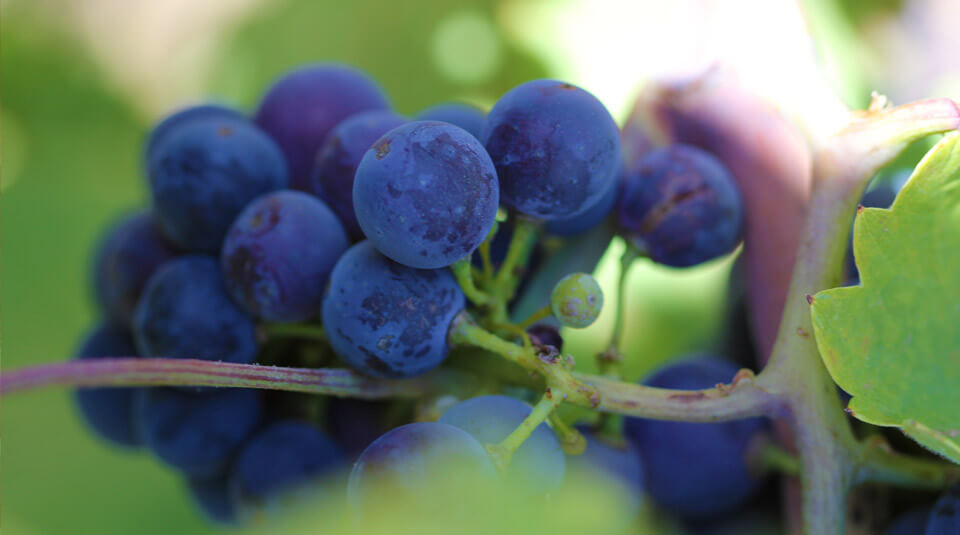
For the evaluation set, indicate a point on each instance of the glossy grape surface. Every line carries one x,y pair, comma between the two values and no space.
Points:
279,253
336,164
386,319
555,147
426,194
303,106
681,206
205,174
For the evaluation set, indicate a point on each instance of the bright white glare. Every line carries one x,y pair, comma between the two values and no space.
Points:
612,47
466,47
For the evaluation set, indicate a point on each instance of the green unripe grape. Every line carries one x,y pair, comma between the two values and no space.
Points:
576,300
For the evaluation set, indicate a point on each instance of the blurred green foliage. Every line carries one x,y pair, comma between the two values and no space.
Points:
70,153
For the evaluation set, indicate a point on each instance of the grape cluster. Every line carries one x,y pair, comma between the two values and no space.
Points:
328,230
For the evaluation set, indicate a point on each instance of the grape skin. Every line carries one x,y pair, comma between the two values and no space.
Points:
681,206
196,432
336,165
406,462
185,312
468,117
164,129
204,175
576,300
538,465
944,518
426,194
108,411
212,496
301,108
618,463
286,460
592,216
695,469
555,147
279,253
386,319
129,254
355,423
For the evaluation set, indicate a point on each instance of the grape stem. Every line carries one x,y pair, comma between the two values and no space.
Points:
795,372
571,440
463,272
544,312
486,275
502,453
878,463
135,371
507,279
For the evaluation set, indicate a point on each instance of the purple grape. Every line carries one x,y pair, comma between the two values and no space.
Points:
303,106
162,131
426,194
468,117
204,175
185,312
681,206
279,253
338,158
109,411
404,465
555,147
386,319
133,249
695,469
212,496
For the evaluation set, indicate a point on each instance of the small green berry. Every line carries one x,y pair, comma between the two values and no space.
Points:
576,300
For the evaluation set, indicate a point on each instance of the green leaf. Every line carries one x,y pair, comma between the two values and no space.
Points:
893,342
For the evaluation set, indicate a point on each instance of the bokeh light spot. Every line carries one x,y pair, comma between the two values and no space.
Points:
466,47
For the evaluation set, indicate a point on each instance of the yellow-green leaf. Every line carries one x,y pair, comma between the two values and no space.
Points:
893,342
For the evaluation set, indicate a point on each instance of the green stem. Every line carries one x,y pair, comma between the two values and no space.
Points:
878,463
518,254
772,457
305,331
503,452
571,440
795,371
133,371
544,312
463,272
487,273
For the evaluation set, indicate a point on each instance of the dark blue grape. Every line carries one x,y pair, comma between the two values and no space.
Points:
619,463
185,312
205,173
405,465
212,496
303,106
109,411
538,465
592,216
132,250
386,319
355,423
278,255
287,461
197,432
555,147
911,522
426,194
944,518
695,469
338,158
164,129
681,206
468,117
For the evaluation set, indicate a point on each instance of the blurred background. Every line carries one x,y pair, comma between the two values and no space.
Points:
85,79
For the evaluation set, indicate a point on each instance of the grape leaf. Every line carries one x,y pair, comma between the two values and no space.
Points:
893,342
